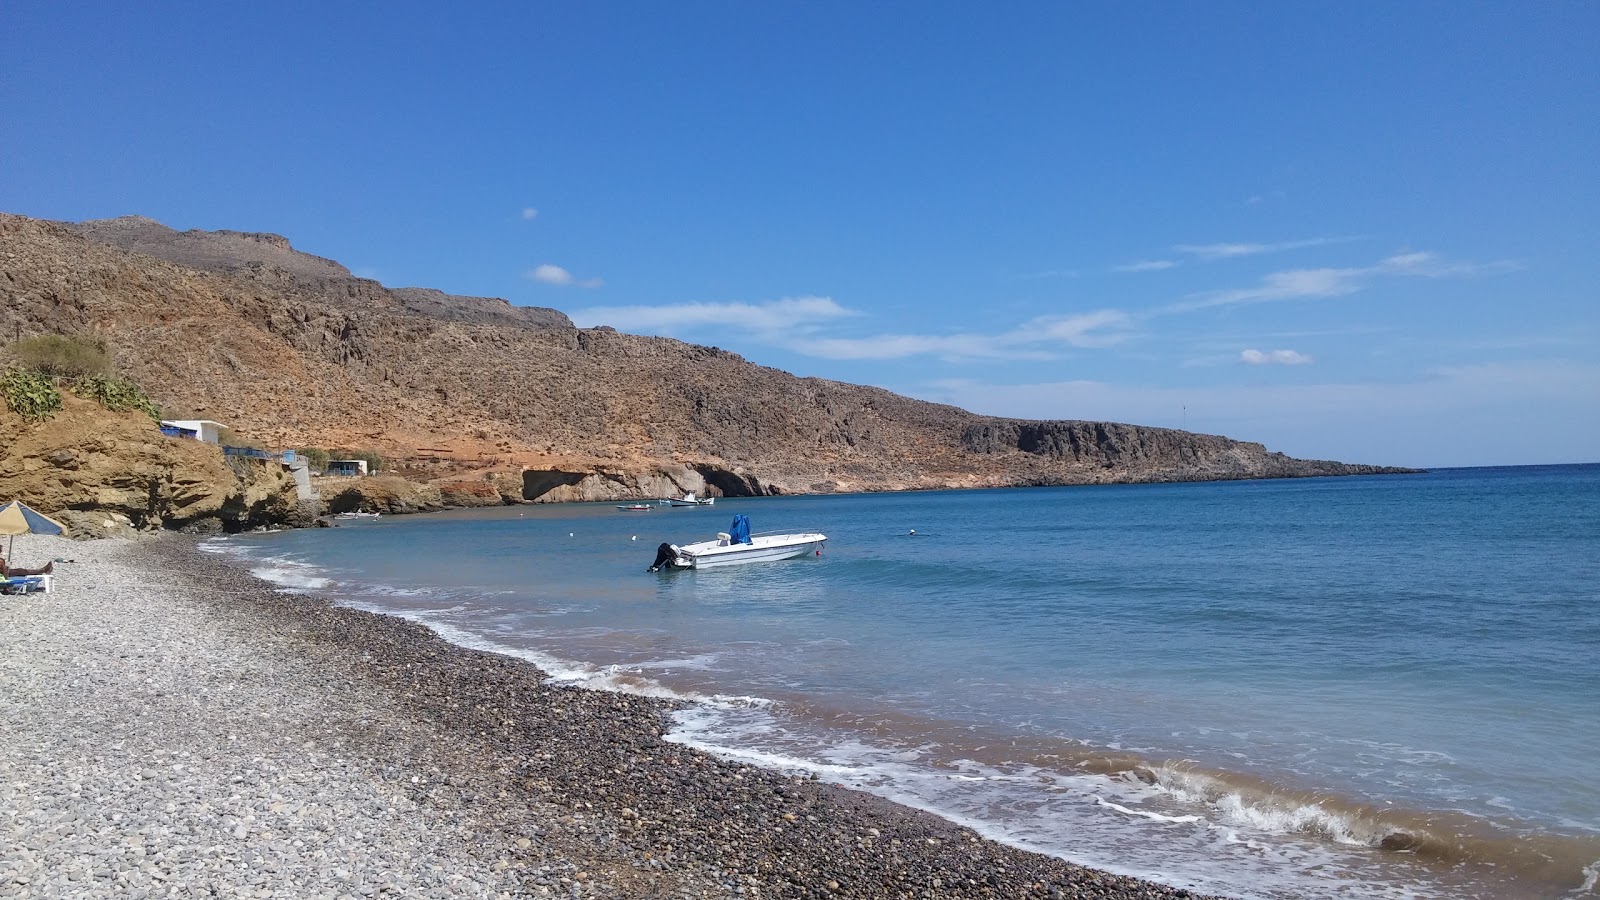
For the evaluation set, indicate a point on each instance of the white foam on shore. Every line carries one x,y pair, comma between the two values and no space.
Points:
1058,813
291,577
1153,816
289,574
1591,879
701,662
565,672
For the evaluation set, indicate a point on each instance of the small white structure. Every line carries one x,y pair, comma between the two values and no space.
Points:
300,470
199,429
347,467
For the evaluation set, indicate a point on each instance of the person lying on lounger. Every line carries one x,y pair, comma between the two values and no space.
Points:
10,572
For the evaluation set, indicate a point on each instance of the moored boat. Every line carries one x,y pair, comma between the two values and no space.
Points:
737,546
689,499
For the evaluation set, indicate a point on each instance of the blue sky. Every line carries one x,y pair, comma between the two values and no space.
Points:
1357,231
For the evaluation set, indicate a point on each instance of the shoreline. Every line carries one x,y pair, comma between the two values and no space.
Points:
176,724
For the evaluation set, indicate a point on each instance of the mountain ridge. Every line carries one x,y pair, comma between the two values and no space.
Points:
292,350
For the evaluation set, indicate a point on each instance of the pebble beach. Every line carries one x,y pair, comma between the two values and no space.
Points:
173,727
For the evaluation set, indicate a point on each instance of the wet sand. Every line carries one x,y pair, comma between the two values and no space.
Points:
173,726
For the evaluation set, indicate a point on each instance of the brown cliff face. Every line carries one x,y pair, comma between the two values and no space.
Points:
121,468
291,350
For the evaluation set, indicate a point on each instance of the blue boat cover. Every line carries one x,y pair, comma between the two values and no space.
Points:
740,530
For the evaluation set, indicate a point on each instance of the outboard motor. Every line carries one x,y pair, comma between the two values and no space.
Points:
665,554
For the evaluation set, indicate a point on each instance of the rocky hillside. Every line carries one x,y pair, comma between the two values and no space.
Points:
104,473
292,350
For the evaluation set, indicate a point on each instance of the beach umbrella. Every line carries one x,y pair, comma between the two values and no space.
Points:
17,518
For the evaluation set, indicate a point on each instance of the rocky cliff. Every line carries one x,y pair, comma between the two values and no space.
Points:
292,350
105,472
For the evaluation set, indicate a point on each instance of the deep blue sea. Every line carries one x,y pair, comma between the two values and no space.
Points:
1333,687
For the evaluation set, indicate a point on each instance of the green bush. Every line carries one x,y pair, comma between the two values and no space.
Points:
64,356
315,457
115,394
31,395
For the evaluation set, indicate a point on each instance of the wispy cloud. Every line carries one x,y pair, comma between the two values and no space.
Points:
901,346
1037,339
1050,273
1313,284
1145,265
801,325
549,274
1220,251
529,214
1274,358
1211,252
770,318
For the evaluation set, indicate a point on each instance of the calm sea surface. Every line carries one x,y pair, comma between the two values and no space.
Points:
1351,687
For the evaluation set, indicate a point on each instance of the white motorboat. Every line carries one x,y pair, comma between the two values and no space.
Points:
357,514
737,546
689,499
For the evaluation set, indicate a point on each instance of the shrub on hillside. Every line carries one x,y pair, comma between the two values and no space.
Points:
315,457
31,395
64,356
115,394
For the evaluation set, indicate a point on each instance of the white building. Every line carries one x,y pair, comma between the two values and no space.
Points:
199,429
347,467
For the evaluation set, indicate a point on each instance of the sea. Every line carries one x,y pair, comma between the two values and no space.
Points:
1358,687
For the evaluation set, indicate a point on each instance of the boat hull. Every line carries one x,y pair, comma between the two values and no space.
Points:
715,554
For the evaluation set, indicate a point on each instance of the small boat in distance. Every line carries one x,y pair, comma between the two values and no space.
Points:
737,546
636,507
357,514
689,499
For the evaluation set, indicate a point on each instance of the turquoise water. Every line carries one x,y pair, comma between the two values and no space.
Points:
1382,686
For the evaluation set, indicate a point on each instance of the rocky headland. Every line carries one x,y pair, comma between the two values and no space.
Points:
483,398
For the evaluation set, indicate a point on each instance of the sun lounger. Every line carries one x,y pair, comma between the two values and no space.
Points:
27,584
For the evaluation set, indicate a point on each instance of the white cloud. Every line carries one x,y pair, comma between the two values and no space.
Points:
1273,358
900,346
551,275
798,324
1302,284
1051,273
560,277
1214,252
1037,339
1292,285
1145,265
770,318
529,214
1211,252
1096,329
